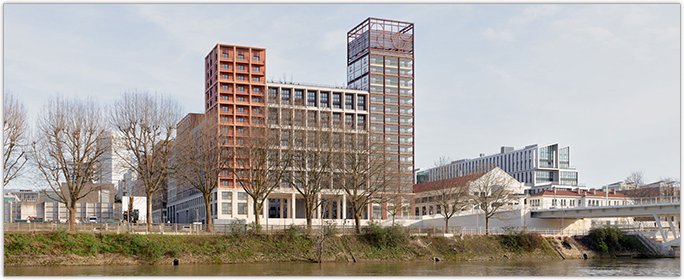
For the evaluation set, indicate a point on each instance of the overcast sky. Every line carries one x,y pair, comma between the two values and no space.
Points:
602,78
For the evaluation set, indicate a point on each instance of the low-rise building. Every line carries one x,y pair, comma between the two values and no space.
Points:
562,198
427,193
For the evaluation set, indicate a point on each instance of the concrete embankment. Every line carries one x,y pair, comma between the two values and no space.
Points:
61,248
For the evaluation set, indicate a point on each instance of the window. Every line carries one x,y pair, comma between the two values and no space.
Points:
224,76
337,100
241,119
241,110
256,57
241,56
241,88
348,101
224,109
257,99
241,98
242,196
256,89
325,100
224,66
299,97
311,98
225,87
242,208
361,121
257,79
285,93
241,67
361,102
349,120
104,196
256,68
227,208
337,119
241,77
224,55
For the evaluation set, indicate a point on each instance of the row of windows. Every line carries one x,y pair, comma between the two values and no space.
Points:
317,99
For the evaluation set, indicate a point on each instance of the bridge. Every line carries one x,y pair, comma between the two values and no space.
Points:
660,208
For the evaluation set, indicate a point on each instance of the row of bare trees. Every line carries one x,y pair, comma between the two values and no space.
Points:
68,145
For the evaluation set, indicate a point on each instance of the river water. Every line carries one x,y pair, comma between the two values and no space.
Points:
615,267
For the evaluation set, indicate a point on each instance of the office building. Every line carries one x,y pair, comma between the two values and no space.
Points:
380,60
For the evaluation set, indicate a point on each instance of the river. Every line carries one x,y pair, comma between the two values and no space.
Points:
614,267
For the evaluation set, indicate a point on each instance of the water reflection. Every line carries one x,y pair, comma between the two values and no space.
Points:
645,267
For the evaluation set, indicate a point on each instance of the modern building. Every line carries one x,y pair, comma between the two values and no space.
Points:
380,59
539,167
293,112
31,204
113,166
99,202
376,107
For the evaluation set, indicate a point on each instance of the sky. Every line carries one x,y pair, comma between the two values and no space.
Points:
603,79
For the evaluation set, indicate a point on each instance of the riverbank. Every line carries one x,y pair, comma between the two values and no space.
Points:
61,248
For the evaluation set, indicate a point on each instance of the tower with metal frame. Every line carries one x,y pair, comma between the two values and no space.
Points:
380,59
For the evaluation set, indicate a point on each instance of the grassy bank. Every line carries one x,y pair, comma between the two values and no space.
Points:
62,248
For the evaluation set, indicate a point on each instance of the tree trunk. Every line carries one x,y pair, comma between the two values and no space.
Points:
357,220
207,212
257,214
149,211
486,225
446,224
309,215
72,217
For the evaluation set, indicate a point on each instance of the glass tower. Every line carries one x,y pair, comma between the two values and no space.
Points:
380,60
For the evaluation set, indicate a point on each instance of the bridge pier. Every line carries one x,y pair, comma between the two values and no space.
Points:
660,227
671,222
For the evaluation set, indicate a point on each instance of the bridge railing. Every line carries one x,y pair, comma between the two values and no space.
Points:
655,200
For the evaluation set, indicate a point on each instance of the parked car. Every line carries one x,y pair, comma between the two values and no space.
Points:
92,219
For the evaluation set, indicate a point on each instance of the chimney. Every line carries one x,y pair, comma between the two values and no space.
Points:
554,190
579,191
593,191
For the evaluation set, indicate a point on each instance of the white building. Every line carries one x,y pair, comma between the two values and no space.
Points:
427,193
113,166
538,167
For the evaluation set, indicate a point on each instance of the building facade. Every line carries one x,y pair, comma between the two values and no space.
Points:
539,167
380,59
293,112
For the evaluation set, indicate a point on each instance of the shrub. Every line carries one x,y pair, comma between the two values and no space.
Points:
518,241
605,239
384,237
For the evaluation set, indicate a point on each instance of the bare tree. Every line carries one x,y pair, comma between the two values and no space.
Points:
311,168
396,203
451,195
14,138
147,123
199,159
361,175
452,199
260,166
67,150
634,185
492,191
